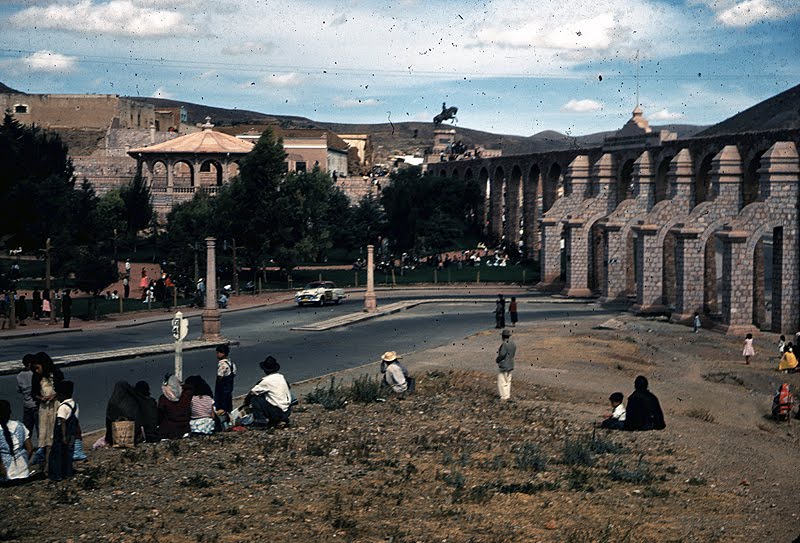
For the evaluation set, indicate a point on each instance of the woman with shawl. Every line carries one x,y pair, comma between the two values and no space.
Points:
788,360
133,404
782,402
174,409
43,390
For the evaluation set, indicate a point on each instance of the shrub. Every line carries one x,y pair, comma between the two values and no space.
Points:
600,445
700,414
529,457
365,389
640,474
331,397
578,453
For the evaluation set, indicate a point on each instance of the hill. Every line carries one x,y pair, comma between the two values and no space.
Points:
782,111
5,89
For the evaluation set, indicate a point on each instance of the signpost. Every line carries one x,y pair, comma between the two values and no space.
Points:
180,328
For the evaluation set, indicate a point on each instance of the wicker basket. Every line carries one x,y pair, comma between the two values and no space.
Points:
123,434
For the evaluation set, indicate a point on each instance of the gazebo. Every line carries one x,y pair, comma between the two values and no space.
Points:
199,162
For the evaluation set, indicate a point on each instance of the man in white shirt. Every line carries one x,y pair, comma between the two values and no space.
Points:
395,376
270,399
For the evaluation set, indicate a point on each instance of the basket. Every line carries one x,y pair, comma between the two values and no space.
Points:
123,434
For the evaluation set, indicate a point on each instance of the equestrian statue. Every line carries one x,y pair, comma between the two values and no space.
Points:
446,114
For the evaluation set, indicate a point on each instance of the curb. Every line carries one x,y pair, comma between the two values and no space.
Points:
10,367
37,333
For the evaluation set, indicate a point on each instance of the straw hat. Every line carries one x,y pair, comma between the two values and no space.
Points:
389,356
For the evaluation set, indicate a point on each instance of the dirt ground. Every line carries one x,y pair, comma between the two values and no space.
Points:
451,464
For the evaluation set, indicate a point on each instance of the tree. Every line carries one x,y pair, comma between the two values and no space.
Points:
430,213
138,207
368,222
188,224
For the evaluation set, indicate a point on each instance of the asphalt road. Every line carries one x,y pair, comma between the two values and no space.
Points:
262,332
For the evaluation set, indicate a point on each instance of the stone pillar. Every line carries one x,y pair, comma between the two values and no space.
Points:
737,291
495,209
614,288
511,226
689,260
726,177
530,217
604,176
577,258
170,175
576,179
211,324
649,275
681,181
550,261
370,301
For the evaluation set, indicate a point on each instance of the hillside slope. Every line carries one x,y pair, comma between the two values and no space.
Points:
782,111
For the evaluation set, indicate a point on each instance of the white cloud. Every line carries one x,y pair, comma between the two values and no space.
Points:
209,74
665,115
48,61
741,13
247,47
116,17
283,80
595,33
161,92
355,102
582,106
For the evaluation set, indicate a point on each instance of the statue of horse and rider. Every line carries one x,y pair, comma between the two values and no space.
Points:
446,114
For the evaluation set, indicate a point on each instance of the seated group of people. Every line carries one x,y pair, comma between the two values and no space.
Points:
643,412
190,407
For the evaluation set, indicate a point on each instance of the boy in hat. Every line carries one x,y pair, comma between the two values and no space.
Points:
395,375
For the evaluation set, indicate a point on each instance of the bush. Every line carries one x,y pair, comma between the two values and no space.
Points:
578,453
640,474
331,397
365,389
529,457
600,445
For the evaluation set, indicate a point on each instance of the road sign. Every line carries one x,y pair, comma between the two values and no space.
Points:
180,327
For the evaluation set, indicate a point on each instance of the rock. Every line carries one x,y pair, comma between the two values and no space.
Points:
611,324
551,525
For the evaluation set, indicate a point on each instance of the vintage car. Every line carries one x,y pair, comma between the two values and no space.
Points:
320,293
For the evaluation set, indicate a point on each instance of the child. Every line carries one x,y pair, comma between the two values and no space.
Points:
781,344
60,463
512,310
617,419
696,322
226,373
748,351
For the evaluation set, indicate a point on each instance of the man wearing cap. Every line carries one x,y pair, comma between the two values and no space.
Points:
505,365
270,399
395,377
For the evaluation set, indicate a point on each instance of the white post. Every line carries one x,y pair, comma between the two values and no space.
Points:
179,330
370,303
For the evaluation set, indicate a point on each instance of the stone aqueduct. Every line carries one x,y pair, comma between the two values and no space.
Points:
704,224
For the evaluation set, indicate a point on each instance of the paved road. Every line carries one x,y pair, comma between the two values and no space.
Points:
264,331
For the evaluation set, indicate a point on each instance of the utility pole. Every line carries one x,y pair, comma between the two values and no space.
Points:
211,324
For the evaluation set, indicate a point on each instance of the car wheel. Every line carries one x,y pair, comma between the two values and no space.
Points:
321,302
338,301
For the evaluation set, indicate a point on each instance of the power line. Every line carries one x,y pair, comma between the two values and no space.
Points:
410,72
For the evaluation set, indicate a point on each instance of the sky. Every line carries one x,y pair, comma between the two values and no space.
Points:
510,66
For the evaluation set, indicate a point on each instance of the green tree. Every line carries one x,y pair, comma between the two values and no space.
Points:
188,224
138,207
368,222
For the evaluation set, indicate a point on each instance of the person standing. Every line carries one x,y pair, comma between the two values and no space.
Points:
46,305
65,433
30,409
512,311
126,287
46,377
748,351
36,303
226,373
500,312
66,308
144,283
505,365
696,324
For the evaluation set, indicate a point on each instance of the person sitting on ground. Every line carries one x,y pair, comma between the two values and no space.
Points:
66,431
643,411
202,406
617,419
394,375
174,409
270,400
782,403
781,344
788,361
15,446
132,404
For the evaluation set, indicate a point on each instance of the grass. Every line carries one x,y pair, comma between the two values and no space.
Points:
700,414
530,458
638,474
331,397
578,452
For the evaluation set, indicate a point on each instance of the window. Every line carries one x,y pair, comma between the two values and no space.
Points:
205,167
299,166
21,108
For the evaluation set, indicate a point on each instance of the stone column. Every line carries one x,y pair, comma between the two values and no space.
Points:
681,181
577,261
530,218
211,323
737,291
170,175
649,275
689,267
495,210
370,302
614,288
511,227
551,255
726,177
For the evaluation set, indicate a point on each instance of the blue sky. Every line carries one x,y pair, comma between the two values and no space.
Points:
511,66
